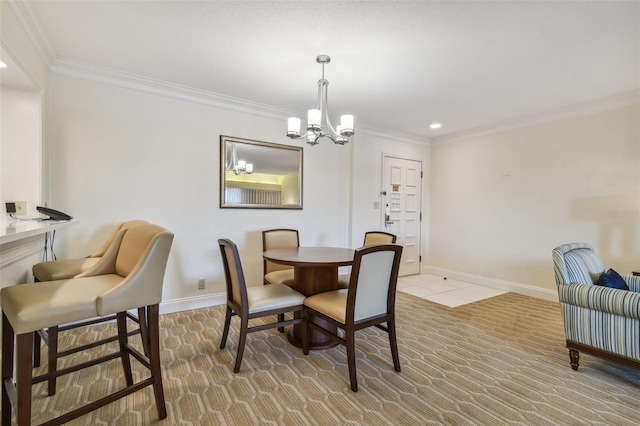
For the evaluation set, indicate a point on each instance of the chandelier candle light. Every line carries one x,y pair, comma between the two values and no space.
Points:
238,166
315,129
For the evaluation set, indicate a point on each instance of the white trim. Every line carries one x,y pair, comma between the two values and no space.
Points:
90,72
631,97
188,303
524,289
78,69
21,249
390,135
24,13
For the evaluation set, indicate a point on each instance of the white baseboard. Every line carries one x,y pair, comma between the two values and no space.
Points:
524,289
187,303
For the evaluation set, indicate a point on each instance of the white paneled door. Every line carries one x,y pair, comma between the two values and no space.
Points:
402,187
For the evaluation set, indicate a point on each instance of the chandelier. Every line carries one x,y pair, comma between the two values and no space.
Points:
238,166
315,129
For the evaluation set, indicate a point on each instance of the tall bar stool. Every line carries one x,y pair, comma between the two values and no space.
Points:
129,275
53,270
70,268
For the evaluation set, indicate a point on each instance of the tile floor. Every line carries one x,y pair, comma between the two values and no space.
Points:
448,292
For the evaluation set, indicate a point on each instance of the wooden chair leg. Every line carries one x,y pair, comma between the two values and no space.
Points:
393,343
153,343
225,330
244,325
24,361
305,334
123,341
144,330
37,343
350,343
52,358
7,369
281,319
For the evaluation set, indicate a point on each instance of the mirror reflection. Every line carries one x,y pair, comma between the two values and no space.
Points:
255,174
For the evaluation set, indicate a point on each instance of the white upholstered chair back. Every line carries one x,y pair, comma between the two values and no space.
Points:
277,239
375,275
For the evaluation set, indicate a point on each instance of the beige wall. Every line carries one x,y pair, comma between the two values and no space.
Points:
20,148
120,154
22,121
500,203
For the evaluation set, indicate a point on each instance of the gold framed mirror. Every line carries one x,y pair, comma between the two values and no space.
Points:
259,175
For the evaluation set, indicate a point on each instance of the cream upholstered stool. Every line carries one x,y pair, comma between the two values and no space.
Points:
70,268
129,275
370,238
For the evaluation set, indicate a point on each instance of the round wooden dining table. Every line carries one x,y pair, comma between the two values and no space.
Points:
315,271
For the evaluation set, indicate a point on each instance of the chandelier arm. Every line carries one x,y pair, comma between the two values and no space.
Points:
323,106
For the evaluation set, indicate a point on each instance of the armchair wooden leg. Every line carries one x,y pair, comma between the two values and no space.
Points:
52,358
37,343
153,327
123,341
24,361
144,330
7,369
574,357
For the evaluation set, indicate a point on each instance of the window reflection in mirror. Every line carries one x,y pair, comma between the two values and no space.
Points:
255,174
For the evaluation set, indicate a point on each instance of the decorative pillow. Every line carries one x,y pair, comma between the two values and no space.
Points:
612,279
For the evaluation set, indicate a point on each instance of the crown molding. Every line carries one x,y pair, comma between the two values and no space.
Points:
395,136
86,71
619,100
29,22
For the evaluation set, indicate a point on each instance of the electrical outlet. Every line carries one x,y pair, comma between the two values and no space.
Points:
21,207
201,284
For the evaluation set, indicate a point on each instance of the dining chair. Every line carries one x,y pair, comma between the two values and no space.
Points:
370,238
253,302
369,301
275,273
130,275
71,268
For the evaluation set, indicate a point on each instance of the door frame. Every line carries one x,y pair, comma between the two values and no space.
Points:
383,196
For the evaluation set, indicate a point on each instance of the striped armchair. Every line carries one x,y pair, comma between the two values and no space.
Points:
600,321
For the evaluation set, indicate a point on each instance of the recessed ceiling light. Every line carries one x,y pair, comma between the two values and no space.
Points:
435,125
2,65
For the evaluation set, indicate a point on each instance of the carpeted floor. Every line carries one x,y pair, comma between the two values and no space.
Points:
497,361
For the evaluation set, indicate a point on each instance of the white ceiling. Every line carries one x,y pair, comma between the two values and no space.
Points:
397,66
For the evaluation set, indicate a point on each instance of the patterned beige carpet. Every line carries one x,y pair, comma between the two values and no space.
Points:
501,360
